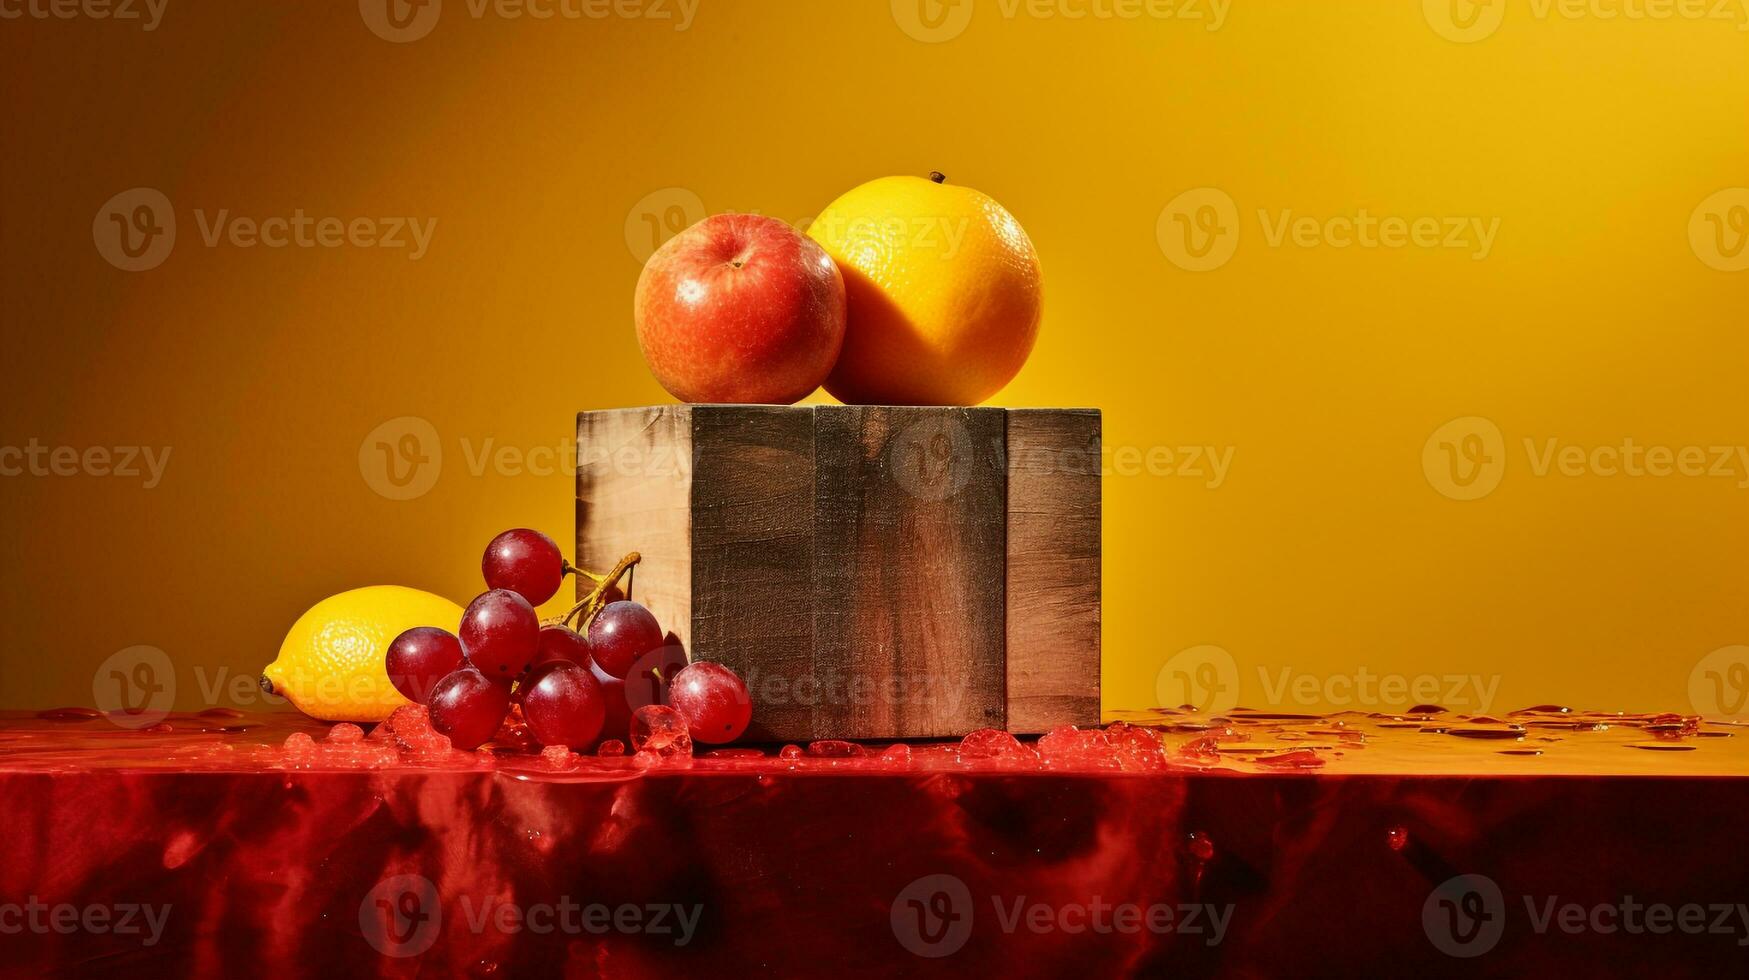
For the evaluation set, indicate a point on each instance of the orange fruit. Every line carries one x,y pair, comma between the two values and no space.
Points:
942,289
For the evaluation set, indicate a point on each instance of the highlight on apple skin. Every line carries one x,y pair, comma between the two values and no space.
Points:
740,308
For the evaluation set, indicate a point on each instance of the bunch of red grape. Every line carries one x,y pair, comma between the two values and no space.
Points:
573,687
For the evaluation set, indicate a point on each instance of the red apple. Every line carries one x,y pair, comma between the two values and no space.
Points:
740,308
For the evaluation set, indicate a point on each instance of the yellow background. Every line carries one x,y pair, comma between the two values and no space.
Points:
542,147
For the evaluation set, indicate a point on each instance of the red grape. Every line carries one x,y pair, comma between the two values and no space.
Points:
648,680
526,562
500,633
645,684
561,643
419,658
563,705
714,701
621,633
613,696
468,706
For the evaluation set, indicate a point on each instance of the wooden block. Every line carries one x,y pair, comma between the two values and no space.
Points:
634,493
908,543
871,571
1053,567
752,560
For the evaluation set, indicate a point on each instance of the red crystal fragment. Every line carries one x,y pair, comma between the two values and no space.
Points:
994,745
660,731
1068,747
557,756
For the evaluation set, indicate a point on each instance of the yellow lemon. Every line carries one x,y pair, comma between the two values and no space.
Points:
331,663
943,292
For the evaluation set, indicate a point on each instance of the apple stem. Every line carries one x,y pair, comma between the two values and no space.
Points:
938,177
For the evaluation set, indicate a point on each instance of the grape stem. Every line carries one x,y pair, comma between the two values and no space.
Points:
584,611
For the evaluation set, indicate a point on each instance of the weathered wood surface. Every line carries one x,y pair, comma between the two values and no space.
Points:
634,493
1053,569
753,557
871,571
908,558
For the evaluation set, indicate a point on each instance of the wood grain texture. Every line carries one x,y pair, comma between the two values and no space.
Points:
1053,569
634,491
871,571
752,557
908,542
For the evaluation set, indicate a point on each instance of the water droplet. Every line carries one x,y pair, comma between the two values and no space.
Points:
832,748
1200,846
69,714
179,848
1294,759
1512,733
737,752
